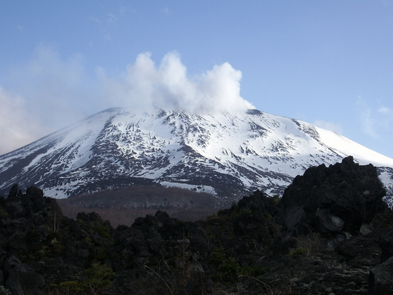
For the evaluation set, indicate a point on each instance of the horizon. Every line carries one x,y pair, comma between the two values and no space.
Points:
325,63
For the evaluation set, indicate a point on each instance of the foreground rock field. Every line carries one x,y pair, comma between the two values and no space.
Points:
330,233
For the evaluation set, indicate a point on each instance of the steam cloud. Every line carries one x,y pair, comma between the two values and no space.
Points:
168,87
50,92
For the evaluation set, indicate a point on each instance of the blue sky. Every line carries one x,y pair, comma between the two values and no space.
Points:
329,63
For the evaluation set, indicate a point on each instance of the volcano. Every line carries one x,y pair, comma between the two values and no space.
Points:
226,154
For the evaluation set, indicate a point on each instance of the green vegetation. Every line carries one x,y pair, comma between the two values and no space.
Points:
3,213
276,200
298,252
229,269
94,281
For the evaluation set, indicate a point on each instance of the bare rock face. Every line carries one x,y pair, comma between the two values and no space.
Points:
386,246
338,198
381,276
22,277
23,216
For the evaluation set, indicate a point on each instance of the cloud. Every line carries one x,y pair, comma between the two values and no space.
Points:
17,126
384,110
95,19
386,117
56,90
329,126
166,11
107,22
50,92
366,120
111,18
167,86
374,120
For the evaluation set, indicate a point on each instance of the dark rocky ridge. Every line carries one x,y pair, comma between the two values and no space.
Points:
327,248
342,197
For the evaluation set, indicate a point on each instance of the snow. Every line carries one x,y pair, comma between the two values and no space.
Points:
386,177
55,192
263,151
197,188
347,147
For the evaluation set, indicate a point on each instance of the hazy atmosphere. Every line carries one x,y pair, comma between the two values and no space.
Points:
328,63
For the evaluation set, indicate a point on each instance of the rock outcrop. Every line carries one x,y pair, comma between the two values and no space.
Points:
381,276
334,236
340,198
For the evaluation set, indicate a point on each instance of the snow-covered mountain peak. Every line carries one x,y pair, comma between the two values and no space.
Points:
227,154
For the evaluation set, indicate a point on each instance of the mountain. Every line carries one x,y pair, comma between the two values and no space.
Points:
225,154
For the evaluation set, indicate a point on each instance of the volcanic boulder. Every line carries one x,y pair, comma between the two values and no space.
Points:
381,276
338,198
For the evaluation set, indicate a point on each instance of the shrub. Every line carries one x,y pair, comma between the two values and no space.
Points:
276,200
96,279
298,252
99,276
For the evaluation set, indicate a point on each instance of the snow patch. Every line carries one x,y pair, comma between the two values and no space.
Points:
197,188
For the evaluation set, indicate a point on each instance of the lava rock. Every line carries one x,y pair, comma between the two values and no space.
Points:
331,199
387,246
22,278
381,278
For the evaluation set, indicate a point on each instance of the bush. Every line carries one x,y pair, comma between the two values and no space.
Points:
276,200
298,252
96,279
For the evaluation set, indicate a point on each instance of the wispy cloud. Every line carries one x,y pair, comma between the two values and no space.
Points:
111,18
95,19
18,126
365,116
375,120
329,126
107,36
106,21
386,117
166,11
384,110
108,18
56,90
123,10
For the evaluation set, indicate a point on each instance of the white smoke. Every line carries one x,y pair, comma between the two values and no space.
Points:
168,86
50,92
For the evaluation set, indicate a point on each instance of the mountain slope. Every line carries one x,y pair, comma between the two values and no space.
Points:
227,154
